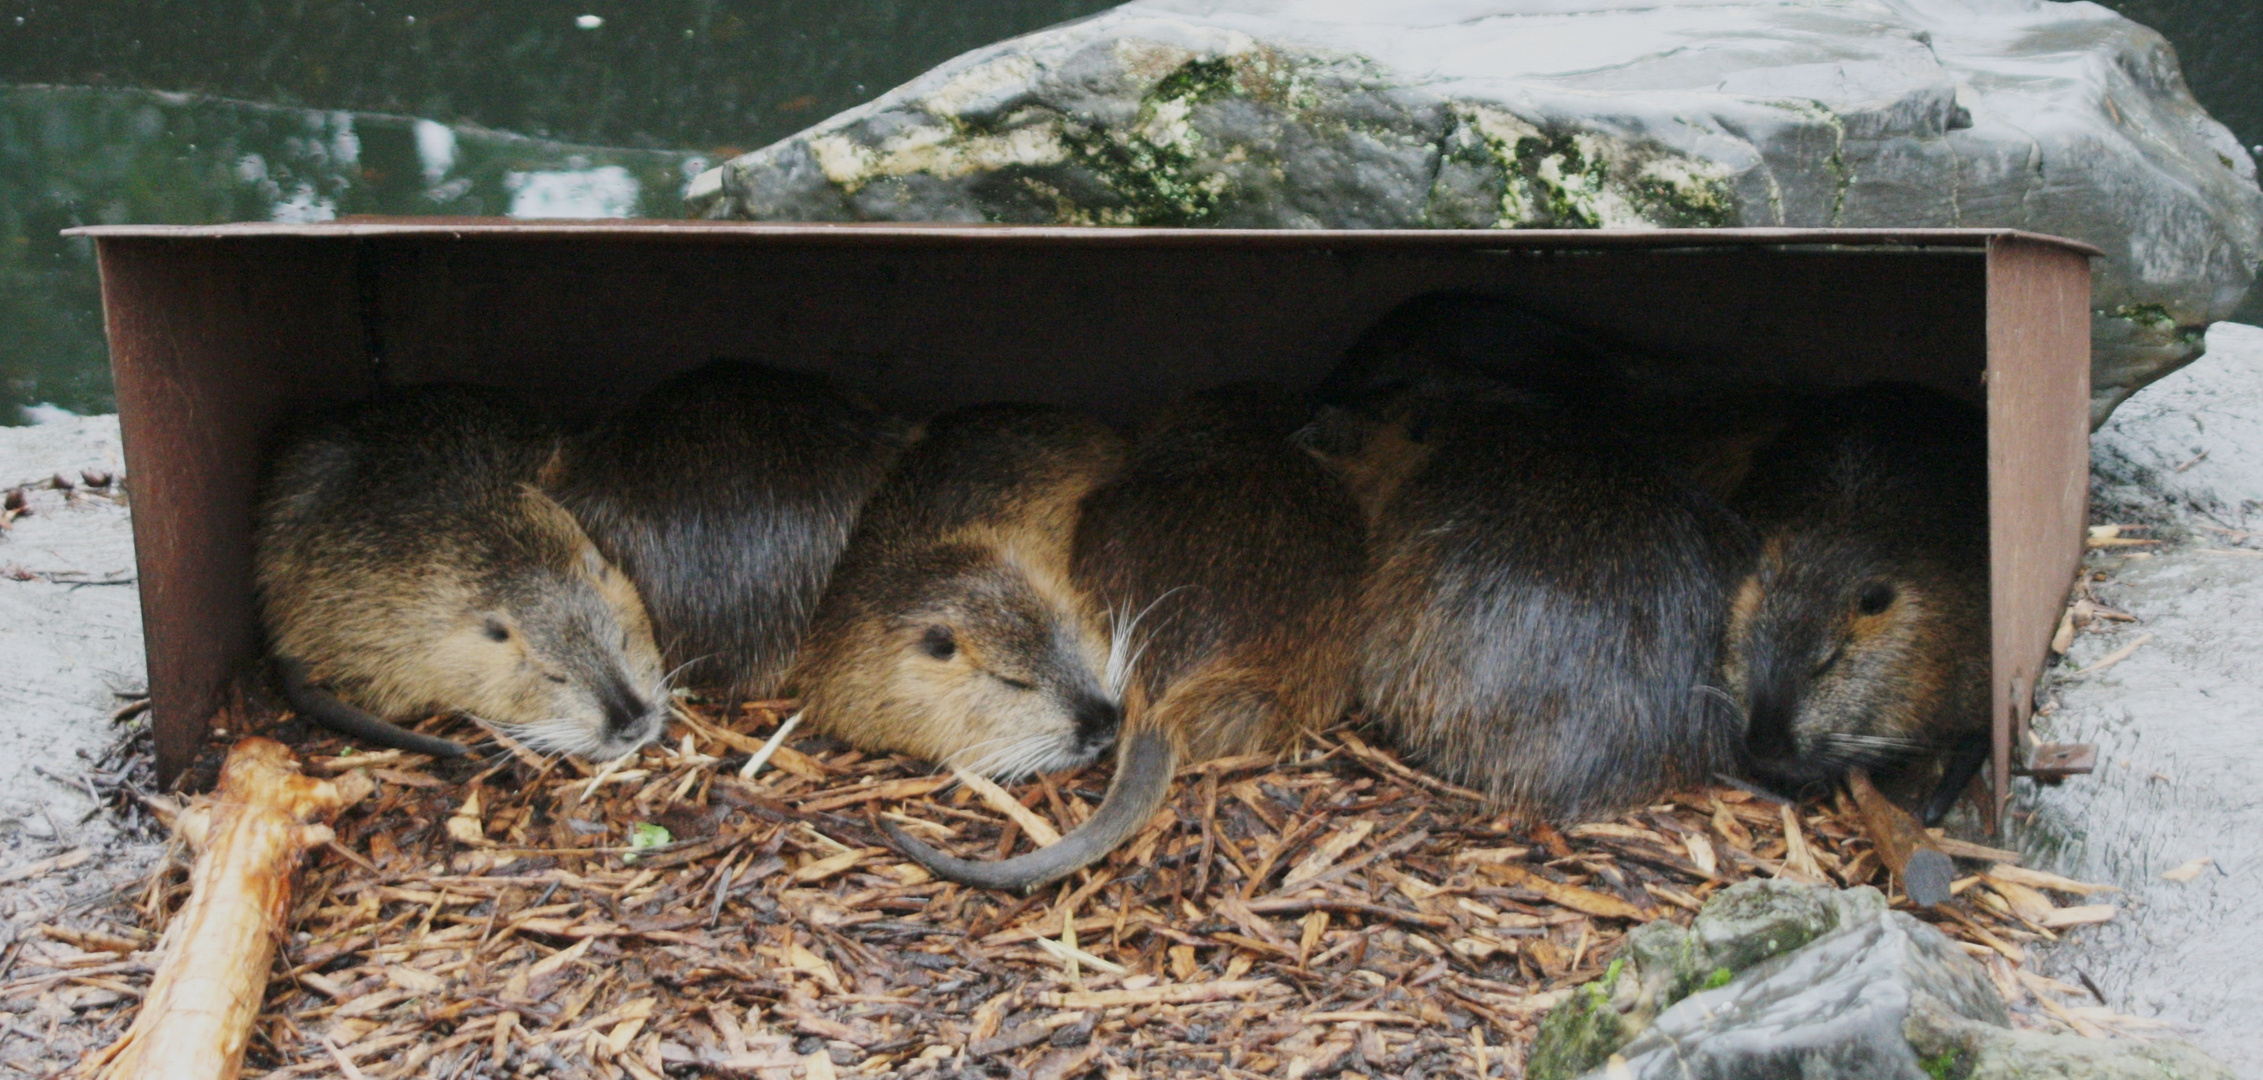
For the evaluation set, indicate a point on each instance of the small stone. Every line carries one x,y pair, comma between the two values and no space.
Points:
62,483
95,478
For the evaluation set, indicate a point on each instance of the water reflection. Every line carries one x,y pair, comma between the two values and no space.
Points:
720,76
77,156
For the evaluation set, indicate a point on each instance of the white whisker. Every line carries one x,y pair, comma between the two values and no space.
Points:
1121,655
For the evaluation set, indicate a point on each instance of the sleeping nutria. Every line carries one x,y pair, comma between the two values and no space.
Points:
950,629
726,494
1232,559
1860,634
404,556
1543,606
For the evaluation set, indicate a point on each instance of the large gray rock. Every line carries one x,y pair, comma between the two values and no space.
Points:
1835,1007
1661,963
2060,118
1773,979
2191,445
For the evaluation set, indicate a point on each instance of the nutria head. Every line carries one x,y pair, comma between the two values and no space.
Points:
1859,636
965,655
500,609
1842,661
561,650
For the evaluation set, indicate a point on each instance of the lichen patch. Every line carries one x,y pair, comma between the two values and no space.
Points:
937,151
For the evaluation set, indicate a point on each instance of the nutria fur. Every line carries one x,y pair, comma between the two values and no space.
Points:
404,556
1545,594
951,630
1859,636
1232,560
1543,610
726,494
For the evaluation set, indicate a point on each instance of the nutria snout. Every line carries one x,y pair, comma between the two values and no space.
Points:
405,558
1859,634
951,629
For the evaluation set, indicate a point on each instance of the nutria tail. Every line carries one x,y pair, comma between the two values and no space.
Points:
1144,765
347,720
1964,763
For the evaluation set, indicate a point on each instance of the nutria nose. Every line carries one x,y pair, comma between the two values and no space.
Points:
625,710
1096,721
1769,734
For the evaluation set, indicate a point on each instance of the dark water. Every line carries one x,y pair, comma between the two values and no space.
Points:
144,111
170,111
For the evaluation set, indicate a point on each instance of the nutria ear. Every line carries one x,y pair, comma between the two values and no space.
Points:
553,471
548,514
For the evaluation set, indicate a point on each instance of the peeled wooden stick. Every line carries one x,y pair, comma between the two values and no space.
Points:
1902,844
196,1019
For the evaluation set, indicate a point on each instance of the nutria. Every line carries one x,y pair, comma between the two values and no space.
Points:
404,556
1543,605
1859,636
726,494
950,629
1232,559
1494,339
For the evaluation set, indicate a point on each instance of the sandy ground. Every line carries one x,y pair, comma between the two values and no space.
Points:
2179,722
70,643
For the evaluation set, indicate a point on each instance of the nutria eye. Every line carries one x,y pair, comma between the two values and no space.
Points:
938,643
555,678
496,631
1876,597
1015,683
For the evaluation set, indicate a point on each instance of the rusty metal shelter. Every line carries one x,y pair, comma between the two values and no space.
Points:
218,332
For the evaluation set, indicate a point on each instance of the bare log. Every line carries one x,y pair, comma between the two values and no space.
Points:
196,1018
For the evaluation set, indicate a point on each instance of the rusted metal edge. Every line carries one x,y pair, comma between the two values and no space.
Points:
2053,762
892,233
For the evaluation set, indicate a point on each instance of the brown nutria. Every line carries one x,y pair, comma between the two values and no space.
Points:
1544,599
950,629
1859,636
726,494
1232,559
405,556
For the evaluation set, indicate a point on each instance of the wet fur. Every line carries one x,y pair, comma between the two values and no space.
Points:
727,494
1881,490
968,539
397,539
1545,595
1541,617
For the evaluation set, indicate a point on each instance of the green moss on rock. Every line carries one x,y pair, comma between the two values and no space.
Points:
1581,1033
